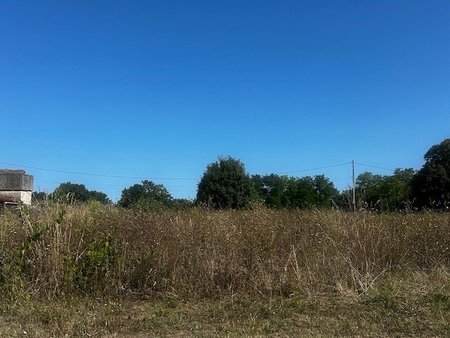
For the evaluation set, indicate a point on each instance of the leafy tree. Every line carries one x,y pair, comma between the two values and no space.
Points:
300,193
71,192
431,184
146,195
384,192
40,196
368,187
290,192
225,184
399,189
258,188
271,189
324,191
99,196
311,192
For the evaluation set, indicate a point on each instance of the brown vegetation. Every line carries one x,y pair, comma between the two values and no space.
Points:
59,252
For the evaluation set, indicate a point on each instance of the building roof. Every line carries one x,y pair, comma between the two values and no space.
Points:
12,171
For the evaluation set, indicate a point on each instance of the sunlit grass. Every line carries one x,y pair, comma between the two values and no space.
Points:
248,272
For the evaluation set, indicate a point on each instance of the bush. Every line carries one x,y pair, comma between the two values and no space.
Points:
225,185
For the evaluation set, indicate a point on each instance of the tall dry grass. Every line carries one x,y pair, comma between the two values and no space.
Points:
63,250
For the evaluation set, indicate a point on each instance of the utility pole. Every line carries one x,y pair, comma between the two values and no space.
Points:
353,186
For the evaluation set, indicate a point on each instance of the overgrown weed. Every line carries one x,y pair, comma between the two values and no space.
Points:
60,250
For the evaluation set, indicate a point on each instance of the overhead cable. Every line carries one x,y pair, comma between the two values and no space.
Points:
99,175
312,169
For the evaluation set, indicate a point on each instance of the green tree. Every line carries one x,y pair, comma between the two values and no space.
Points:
99,196
311,192
398,189
40,196
72,192
368,187
271,189
289,192
300,193
225,184
324,191
384,192
258,188
431,184
146,195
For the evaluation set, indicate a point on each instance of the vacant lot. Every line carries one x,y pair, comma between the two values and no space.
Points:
103,271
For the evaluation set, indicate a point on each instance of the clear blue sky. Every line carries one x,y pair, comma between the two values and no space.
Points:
161,88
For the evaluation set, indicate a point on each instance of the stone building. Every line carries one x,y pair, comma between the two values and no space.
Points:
15,187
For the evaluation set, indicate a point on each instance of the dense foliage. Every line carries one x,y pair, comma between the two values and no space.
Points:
277,191
148,195
71,192
431,184
385,192
428,188
225,185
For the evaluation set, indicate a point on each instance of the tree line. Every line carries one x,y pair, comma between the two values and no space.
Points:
225,184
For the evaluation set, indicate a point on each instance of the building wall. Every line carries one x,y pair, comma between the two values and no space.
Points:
10,180
16,197
15,186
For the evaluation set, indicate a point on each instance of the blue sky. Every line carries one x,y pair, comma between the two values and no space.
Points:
159,89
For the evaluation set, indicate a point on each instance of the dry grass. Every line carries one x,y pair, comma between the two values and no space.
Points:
351,269
382,312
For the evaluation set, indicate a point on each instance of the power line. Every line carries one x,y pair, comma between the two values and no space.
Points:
312,169
183,178
98,175
152,178
374,166
55,182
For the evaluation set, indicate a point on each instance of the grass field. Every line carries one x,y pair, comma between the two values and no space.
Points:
91,270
